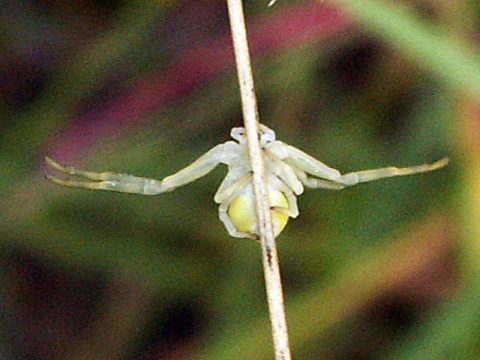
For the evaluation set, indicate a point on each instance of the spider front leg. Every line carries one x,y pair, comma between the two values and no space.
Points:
329,178
133,184
358,177
199,168
325,178
104,180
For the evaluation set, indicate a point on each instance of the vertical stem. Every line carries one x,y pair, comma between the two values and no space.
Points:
267,237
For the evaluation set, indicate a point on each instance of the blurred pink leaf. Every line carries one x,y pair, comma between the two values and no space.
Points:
305,24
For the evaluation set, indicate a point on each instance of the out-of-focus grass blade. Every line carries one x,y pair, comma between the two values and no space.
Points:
431,47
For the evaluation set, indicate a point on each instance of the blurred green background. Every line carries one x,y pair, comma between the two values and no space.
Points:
386,270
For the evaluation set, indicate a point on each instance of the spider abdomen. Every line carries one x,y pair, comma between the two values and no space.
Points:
242,211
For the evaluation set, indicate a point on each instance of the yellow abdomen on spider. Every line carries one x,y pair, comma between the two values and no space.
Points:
242,212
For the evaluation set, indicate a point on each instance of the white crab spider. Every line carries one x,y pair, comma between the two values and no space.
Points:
288,171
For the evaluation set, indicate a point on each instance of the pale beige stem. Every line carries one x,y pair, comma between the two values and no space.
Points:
267,238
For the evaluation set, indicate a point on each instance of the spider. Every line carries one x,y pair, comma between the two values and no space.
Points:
288,171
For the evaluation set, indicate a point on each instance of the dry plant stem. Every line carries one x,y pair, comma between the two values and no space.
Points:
267,238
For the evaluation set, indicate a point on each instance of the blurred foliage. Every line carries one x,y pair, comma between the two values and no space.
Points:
386,270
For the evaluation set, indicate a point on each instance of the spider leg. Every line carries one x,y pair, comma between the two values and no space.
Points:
133,184
283,171
315,183
104,180
227,222
354,178
329,178
200,167
292,210
309,164
235,178
227,196
358,177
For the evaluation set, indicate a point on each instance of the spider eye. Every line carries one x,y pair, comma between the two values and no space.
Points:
266,134
238,134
